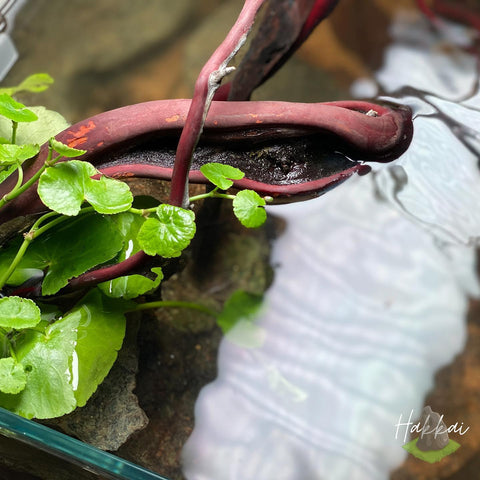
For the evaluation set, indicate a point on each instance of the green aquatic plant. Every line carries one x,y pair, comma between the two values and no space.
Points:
79,251
53,357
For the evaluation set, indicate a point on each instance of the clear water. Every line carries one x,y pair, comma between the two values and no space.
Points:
370,294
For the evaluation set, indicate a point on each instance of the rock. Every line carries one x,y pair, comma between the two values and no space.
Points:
434,434
112,415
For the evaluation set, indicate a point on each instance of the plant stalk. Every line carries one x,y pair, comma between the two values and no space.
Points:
174,304
207,83
14,131
35,231
18,257
19,189
212,194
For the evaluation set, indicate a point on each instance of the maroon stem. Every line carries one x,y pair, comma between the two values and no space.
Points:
208,81
426,10
285,26
99,275
321,9
381,137
457,12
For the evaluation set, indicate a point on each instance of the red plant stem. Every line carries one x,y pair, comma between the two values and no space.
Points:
207,83
126,267
285,26
426,10
457,12
382,137
281,24
320,10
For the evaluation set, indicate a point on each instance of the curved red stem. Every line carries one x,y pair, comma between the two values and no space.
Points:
208,81
320,10
285,26
426,10
99,275
457,12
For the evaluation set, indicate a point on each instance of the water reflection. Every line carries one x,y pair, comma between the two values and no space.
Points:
369,298
442,163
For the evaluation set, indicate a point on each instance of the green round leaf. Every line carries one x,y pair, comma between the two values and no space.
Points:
246,335
49,124
10,154
100,325
38,82
241,306
12,376
67,362
64,252
15,111
131,286
18,313
169,233
247,207
65,186
108,196
65,150
219,174
62,187
46,358
73,248
128,224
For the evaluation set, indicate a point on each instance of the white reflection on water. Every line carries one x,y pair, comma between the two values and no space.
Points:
442,163
369,300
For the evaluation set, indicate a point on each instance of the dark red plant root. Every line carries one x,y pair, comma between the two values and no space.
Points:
362,130
382,135
320,10
285,26
458,11
426,10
